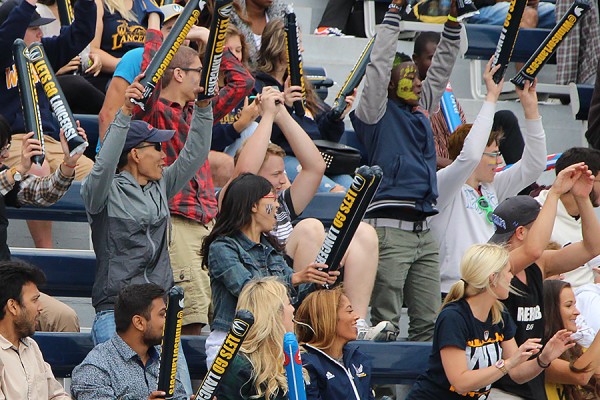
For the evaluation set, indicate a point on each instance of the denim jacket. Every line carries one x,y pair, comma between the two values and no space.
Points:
233,262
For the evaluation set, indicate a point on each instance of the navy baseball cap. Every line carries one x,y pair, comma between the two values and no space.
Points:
36,18
141,131
510,214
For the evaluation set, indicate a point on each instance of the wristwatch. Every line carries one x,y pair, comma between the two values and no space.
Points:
17,177
500,365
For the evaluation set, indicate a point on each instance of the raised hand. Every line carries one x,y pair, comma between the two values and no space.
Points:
567,177
269,101
558,344
529,100
584,185
493,89
135,91
68,159
291,93
30,147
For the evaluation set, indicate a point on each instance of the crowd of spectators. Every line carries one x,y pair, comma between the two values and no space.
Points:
205,194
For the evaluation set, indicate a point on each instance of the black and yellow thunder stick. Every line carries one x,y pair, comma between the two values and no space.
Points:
508,37
57,99
65,12
29,96
235,337
352,81
349,215
161,60
294,57
170,343
534,65
214,48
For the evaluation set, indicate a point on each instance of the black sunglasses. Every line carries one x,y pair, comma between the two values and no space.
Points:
157,146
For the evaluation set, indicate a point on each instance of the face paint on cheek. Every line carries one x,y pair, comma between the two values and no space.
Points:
269,208
405,84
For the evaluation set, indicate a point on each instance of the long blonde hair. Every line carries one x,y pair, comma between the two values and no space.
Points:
266,299
117,5
479,262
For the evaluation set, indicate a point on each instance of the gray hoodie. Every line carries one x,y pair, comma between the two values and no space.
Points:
130,222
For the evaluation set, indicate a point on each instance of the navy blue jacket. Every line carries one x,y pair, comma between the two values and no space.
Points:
330,380
59,49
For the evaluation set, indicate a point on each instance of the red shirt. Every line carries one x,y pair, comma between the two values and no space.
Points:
197,200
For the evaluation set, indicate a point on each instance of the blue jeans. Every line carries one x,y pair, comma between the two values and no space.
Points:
496,14
104,328
292,168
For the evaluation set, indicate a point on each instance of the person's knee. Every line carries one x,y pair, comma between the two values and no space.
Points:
366,237
310,229
56,316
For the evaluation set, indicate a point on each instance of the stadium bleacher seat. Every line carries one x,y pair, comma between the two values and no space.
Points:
581,97
317,76
393,362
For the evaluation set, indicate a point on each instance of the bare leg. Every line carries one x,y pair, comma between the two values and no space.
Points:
304,243
360,268
41,231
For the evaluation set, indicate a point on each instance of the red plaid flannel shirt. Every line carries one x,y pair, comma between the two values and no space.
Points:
197,200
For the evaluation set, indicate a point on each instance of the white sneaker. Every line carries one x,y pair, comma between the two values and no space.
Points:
382,332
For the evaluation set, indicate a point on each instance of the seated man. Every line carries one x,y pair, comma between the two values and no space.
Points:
303,242
23,372
18,188
537,14
127,366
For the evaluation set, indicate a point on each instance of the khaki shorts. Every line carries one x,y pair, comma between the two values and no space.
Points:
54,156
186,241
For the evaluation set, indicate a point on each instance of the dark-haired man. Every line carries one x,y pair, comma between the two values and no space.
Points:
127,366
567,226
23,372
392,122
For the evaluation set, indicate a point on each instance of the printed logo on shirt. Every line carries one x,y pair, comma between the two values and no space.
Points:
529,314
128,34
329,375
12,78
358,371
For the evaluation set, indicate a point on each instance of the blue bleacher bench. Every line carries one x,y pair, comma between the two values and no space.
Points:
393,362
71,209
581,99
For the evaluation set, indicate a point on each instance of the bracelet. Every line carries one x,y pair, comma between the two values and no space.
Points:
542,365
395,8
69,166
453,19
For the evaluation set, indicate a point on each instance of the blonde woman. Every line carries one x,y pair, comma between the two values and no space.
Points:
119,28
257,371
473,320
326,323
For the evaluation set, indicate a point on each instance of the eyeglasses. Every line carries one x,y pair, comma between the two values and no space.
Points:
157,146
199,69
484,205
494,154
5,149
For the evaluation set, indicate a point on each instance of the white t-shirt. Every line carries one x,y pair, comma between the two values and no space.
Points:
567,230
461,222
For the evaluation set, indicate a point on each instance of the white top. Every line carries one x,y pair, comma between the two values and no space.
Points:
588,303
461,222
567,230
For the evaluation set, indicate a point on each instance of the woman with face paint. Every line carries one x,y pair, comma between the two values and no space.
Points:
240,248
473,344
470,189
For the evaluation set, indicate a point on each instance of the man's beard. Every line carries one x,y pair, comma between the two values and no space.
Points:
23,326
151,341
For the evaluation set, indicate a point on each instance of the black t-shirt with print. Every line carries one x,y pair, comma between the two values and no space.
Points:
456,326
526,308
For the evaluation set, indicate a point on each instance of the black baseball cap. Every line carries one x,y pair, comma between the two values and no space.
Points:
141,131
36,18
510,214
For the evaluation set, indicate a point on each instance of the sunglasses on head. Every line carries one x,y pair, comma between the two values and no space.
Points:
157,146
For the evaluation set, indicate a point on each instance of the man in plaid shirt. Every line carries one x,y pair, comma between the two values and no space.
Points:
18,188
194,208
